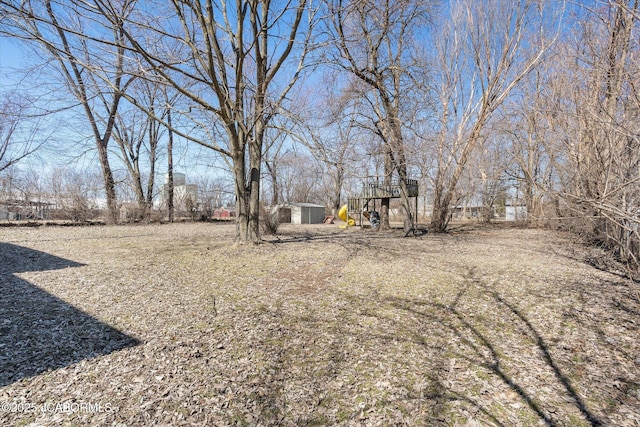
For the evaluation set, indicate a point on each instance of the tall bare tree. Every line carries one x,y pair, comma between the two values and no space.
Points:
373,41
274,151
484,52
525,130
89,54
138,132
232,60
170,186
329,131
136,136
598,123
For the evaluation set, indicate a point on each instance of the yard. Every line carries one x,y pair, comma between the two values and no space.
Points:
176,325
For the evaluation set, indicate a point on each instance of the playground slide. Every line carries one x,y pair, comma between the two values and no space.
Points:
342,214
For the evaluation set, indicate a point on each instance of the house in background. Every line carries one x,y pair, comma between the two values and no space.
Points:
18,209
224,213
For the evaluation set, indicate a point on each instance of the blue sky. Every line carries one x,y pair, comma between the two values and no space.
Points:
14,59
11,56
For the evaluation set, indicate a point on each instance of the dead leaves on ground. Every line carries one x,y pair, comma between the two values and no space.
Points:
329,327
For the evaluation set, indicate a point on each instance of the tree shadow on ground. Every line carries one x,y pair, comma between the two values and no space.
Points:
335,234
465,333
481,348
38,331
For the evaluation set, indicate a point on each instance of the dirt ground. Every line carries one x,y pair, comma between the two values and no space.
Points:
176,325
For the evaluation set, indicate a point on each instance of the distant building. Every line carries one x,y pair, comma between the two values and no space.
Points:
283,212
307,213
18,209
185,196
224,213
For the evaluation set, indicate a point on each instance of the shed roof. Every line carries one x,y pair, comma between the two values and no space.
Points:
307,205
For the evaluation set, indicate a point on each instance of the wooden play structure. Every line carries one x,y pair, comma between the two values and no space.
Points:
359,209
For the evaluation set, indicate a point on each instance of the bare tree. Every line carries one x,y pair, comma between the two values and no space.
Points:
333,149
373,41
491,176
133,133
170,186
234,54
212,194
299,174
73,192
274,150
329,133
20,133
138,132
598,124
484,52
89,55
525,130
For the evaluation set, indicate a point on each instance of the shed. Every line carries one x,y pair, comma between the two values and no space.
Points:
307,213
283,213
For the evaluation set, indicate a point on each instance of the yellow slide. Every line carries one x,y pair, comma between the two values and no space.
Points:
342,214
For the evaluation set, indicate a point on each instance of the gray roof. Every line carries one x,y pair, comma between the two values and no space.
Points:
307,205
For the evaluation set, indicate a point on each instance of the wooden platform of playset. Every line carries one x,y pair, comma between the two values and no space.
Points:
374,190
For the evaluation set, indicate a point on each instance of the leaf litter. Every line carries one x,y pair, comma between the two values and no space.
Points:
322,326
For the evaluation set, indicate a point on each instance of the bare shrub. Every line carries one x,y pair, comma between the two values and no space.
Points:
269,220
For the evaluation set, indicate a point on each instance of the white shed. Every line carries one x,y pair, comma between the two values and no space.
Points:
306,213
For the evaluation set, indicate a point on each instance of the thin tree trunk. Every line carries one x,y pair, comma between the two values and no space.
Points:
170,207
272,169
152,173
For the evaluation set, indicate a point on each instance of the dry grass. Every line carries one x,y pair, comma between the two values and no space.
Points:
176,325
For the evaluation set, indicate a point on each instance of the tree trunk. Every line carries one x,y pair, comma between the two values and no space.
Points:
400,163
384,214
408,224
141,200
254,207
151,181
440,213
337,190
255,163
388,171
109,186
242,193
169,195
272,169
443,198
153,146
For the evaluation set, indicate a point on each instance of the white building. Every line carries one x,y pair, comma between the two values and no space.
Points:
307,213
183,193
